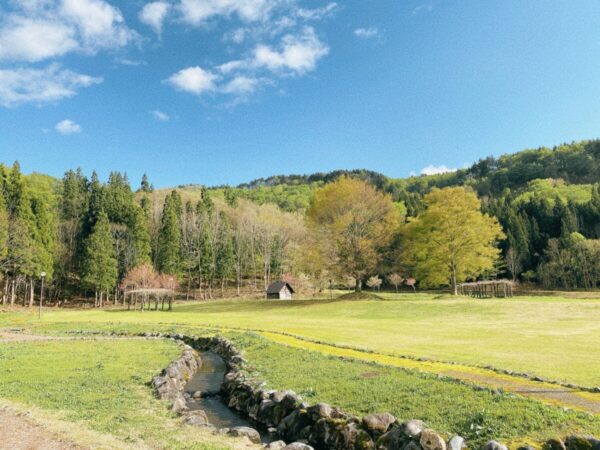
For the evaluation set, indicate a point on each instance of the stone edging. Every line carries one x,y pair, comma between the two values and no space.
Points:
319,426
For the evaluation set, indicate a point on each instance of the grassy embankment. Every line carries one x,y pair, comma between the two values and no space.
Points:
102,386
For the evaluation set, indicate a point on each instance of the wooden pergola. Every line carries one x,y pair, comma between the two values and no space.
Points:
487,289
145,294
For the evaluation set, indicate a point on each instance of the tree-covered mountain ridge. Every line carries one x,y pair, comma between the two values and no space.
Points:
568,170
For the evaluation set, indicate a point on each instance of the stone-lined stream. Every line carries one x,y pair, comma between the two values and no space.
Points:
202,392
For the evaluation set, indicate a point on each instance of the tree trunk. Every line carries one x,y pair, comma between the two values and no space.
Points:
357,285
13,292
31,293
454,284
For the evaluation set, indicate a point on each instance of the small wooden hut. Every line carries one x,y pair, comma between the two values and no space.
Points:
280,290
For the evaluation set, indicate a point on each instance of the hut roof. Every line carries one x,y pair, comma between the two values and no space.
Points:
276,287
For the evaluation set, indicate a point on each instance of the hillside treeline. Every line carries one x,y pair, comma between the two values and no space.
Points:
540,196
86,235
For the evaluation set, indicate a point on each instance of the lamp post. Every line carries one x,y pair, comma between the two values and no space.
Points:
43,275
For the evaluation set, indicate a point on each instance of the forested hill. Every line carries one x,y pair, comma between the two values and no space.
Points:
548,171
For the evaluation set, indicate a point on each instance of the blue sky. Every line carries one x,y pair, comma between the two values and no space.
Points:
224,91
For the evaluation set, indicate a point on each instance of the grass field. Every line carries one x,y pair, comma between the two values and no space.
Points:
446,406
100,385
553,337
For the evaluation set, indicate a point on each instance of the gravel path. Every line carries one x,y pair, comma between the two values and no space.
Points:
19,432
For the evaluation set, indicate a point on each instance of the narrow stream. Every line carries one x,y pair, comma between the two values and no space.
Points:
206,384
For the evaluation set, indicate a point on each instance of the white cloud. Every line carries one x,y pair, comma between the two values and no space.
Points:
153,14
37,30
130,62
231,66
236,36
25,39
67,126
422,8
277,43
297,53
436,170
194,80
241,85
161,116
366,33
196,12
317,13
18,86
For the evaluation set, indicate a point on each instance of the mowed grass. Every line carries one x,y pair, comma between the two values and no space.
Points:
445,405
552,337
101,385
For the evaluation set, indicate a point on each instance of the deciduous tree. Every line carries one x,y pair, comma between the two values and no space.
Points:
354,222
451,241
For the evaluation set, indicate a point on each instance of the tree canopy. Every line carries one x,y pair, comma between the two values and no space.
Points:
451,241
355,223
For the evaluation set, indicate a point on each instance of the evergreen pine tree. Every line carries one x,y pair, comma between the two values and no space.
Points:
145,185
100,269
169,237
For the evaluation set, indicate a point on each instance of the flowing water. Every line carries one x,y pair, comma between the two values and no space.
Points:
208,381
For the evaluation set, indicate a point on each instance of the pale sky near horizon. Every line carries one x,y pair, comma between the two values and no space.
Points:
224,91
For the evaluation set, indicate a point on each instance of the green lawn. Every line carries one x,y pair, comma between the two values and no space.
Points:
101,385
446,406
553,337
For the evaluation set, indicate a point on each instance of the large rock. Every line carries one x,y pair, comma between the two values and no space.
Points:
412,428
295,426
355,438
328,433
284,403
265,413
275,445
179,405
247,432
319,411
395,439
197,418
378,424
554,444
430,440
578,443
298,446
494,445
456,443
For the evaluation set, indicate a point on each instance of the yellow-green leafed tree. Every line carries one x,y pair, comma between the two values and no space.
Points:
353,222
451,241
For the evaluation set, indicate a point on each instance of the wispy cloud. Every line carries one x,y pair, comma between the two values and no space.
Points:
366,33
422,9
67,126
130,62
19,86
160,116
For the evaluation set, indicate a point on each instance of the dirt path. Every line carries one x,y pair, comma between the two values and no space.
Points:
549,393
18,432
9,337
